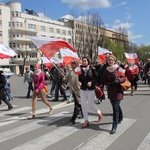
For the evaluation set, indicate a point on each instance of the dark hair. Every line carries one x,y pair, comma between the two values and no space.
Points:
86,59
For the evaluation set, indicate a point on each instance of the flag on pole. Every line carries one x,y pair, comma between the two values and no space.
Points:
102,54
68,56
48,63
121,71
49,46
6,52
131,57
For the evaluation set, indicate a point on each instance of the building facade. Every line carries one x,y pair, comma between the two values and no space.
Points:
16,26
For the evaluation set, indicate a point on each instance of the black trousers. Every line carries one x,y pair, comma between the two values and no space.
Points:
117,112
7,103
77,108
30,87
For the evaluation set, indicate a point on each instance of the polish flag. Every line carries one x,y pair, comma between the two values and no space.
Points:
121,71
69,56
131,57
78,70
134,69
50,46
102,54
6,52
48,63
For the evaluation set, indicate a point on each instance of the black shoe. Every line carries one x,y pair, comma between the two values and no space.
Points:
113,130
81,117
55,100
73,121
64,99
9,108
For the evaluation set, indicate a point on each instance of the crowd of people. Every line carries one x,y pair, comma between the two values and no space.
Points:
82,86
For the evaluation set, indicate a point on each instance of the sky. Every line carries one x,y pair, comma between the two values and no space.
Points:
133,15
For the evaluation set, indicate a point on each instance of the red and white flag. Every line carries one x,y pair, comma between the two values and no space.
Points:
49,46
78,70
6,52
134,69
48,63
102,54
121,71
131,57
69,56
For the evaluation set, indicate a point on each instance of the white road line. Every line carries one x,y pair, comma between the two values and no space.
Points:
102,140
44,141
15,110
4,136
145,145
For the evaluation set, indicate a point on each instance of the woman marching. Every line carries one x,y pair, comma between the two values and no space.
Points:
87,90
115,94
39,79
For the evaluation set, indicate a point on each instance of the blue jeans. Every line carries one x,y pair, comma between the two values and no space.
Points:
117,112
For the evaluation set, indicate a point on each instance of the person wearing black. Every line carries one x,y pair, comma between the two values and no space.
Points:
59,72
99,69
2,91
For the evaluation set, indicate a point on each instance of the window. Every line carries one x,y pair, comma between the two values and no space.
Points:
17,14
64,32
0,33
17,24
12,14
31,26
69,40
57,30
0,11
51,30
42,28
0,22
69,32
20,24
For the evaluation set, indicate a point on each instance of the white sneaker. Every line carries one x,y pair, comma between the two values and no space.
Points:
49,95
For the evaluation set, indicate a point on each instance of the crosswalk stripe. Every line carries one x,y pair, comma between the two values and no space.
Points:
31,126
15,110
44,141
102,140
145,145
22,117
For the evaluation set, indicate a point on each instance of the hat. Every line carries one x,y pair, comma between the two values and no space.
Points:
74,62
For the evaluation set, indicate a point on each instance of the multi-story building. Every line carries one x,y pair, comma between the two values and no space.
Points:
16,26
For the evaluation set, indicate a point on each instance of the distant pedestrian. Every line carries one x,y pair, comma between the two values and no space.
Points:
2,90
28,76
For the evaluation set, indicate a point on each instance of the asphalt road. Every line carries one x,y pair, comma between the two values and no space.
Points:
55,132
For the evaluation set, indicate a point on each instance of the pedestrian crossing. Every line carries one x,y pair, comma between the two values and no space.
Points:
49,131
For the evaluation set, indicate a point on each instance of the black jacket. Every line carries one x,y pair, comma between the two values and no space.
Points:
90,76
2,87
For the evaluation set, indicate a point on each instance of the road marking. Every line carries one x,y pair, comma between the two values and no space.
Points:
4,136
15,110
102,140
145,145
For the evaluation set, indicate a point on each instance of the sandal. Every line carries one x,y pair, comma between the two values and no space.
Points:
31,116
51,111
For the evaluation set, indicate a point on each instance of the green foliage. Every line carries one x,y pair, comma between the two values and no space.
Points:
116,49
143,53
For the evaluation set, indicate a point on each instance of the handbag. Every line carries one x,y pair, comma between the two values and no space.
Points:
125,85
46,88
98,92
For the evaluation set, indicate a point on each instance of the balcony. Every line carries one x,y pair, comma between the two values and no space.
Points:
19,29
19,61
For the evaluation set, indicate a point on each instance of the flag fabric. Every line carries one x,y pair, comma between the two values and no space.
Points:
134,69
48,63
102,54
68,56
6,52
131,57
78,70
50,46
121,71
